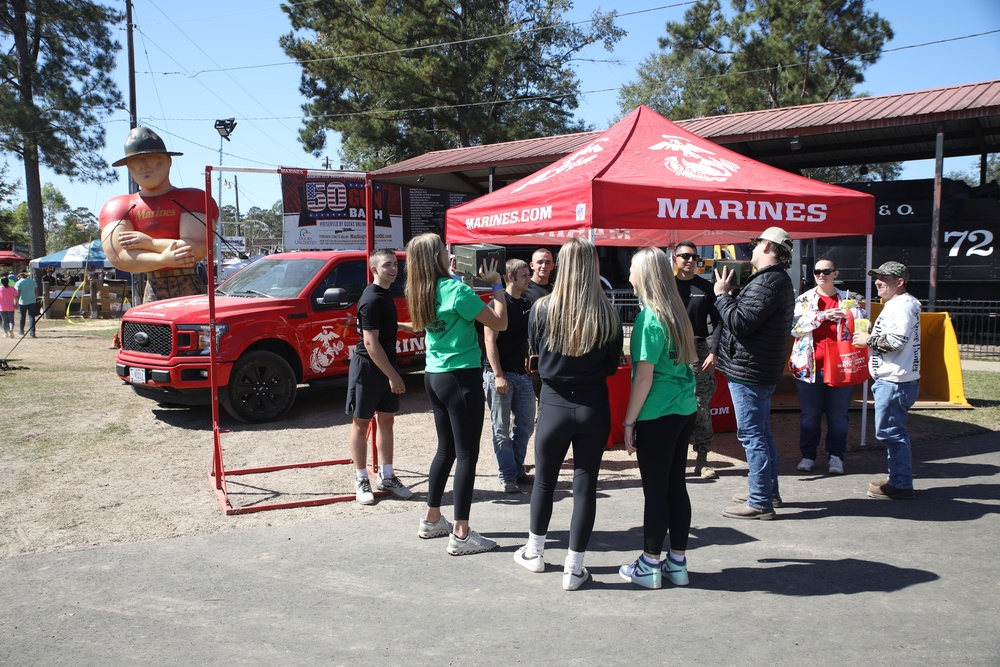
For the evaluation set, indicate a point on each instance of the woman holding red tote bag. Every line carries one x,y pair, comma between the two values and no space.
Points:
817,314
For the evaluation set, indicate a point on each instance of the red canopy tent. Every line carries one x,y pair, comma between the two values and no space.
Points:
646,181
11,258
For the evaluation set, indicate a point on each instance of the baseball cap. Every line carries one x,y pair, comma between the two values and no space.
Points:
776,235
891,269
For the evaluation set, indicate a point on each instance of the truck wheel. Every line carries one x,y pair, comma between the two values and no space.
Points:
261,387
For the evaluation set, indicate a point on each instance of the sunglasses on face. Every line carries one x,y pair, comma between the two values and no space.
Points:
824,272
686,256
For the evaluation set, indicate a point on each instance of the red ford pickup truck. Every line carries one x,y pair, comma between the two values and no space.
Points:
284,320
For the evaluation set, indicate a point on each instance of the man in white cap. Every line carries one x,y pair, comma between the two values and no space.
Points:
894,363
160,230
752,354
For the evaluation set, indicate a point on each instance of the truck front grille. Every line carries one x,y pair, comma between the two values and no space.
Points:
147,338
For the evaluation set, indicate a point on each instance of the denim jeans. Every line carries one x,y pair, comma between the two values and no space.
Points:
752,405
28,313
815,399
892,405
510,445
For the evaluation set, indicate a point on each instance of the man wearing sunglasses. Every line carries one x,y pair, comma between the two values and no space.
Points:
699,300
752,349
894,363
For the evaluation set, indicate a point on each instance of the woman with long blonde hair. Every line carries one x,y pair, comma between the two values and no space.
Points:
660,418
447,310
577,336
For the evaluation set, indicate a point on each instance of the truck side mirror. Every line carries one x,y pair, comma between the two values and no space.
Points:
334,296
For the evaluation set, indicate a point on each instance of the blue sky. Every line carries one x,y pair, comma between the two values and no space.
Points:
197,62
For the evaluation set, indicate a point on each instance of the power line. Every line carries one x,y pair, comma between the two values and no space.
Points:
425,47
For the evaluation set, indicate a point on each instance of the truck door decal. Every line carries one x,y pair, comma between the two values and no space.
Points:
324,354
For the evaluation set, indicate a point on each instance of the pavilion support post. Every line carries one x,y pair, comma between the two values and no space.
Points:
936,218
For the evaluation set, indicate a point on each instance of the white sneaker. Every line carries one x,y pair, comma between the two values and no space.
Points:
473,543
363,491
836,465
573,580
392,484
439,528
805,465
531,563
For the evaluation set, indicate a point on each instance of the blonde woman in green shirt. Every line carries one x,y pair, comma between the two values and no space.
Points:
660,418
447,310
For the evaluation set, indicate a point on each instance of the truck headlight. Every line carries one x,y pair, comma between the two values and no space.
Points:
194,339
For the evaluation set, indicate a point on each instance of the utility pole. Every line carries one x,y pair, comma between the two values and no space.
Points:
131,72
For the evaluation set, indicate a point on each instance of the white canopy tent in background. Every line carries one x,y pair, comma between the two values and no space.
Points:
86,255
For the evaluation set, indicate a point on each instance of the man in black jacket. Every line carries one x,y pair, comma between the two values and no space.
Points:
752,355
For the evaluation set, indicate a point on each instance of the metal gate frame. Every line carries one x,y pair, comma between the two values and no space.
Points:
218,474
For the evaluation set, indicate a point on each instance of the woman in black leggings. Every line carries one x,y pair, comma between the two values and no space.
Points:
577,336
453,378
660,418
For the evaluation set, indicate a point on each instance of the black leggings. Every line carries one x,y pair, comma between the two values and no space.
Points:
661,451
458,403
580,416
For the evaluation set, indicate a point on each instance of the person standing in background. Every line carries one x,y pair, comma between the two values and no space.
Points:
894,363
507,383
818,312
27,299
699,301
542,266
8,299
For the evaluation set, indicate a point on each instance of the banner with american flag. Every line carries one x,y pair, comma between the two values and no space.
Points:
325,210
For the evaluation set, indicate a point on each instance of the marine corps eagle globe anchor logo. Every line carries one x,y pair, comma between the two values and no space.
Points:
694,162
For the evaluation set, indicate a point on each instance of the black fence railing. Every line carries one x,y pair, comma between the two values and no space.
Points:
977,326
977,323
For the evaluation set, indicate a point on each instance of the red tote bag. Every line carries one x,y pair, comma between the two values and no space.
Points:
843,364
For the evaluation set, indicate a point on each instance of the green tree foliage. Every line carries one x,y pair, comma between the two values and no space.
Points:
762,54
398,78
856,173
55,92
10,229
971,175
66,226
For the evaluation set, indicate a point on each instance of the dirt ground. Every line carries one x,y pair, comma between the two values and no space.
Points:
86,462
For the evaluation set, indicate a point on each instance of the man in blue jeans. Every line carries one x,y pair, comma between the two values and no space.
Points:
506,382
27,299
752,352
894,363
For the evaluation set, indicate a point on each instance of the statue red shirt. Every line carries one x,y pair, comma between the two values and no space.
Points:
158,216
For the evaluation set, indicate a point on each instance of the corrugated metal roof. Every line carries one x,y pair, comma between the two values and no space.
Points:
885,128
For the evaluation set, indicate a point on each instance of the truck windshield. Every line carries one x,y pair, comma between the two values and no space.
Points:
275,278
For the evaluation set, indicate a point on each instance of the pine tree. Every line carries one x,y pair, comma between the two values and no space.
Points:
399,78
57,91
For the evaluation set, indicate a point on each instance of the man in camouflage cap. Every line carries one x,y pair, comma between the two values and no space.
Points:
894,363
160,230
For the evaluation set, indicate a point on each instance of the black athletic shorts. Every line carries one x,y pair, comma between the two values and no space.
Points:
368,390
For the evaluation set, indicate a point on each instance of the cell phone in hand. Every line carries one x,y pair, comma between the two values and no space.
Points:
533,363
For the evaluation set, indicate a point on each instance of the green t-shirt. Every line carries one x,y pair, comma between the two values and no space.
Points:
452,343
672,391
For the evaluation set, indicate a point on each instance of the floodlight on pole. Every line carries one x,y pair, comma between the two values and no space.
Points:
225,127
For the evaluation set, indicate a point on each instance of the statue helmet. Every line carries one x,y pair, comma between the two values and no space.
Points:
143,141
